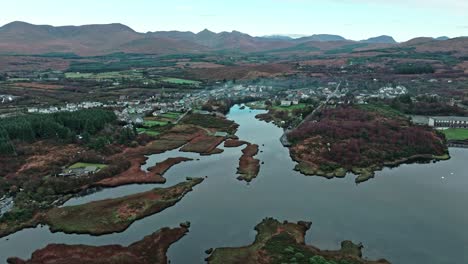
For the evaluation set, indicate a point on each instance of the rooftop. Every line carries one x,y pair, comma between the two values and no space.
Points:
450,118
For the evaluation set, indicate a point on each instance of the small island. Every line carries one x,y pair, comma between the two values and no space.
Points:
151,249
361,139
248,165
115,215
284,243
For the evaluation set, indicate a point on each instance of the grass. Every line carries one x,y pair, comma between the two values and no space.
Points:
381,109
346,49
256,105
114,75
180,81
148,131
456,133
208,121
290,108
154,123
171,115
78,75
84,165
115,215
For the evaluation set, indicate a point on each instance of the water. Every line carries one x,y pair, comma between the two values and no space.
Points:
408,214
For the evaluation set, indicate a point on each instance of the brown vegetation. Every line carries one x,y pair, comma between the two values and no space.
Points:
133,175
351,139
248,165
115,215
151,249
234,143
203,145
277,242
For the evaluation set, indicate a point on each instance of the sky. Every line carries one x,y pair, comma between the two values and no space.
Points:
353,19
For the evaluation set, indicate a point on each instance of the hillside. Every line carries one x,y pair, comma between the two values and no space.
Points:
89,40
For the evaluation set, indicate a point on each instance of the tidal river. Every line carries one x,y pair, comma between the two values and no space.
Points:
411,214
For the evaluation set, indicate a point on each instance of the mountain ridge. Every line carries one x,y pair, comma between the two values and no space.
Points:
20,37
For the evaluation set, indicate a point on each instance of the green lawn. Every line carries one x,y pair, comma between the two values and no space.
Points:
385,110
148,131
153,123
290,108
84,165
456,133
171,115
180,81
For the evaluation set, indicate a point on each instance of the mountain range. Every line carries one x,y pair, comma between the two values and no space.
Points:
24,38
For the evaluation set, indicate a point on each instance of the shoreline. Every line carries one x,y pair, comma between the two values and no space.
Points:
364,174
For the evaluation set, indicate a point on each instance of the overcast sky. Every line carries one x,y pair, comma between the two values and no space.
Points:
353,19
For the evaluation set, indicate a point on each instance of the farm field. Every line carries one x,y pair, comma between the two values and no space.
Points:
84,165
290,108
147,131
456,133
105,75
180,81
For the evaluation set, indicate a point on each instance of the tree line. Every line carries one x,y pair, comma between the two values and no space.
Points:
63,126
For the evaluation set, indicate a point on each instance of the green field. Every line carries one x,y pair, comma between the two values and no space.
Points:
148,131
180,81
78,75
153,123
385,110
84,165
290,108
256,105
171,115
456,133
104,75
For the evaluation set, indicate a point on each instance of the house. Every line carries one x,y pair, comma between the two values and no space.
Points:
138,120
286,103
449,122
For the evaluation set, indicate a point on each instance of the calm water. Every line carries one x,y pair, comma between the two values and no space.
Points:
411,214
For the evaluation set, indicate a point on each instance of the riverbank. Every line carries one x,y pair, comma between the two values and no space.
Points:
365,174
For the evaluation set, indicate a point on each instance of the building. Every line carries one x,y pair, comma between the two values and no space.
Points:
286,103
449,122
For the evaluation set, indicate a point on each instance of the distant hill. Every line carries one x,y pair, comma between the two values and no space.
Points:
21,37
278,37
381,39
322,38
89,40
442,38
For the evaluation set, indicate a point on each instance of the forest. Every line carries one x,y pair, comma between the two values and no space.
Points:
349,137
425,105
62,126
